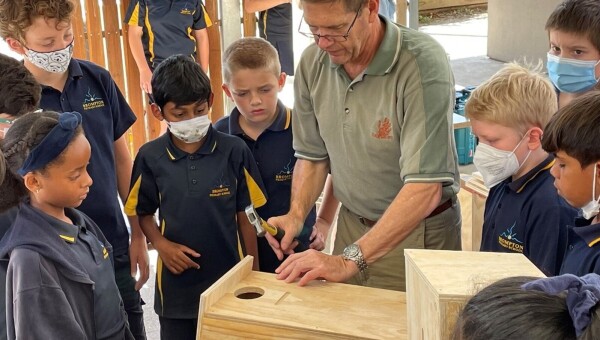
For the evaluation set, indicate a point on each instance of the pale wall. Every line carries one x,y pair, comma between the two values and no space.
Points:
516,29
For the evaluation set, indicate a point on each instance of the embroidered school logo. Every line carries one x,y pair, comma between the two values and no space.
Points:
92,101
285,174
220,188
186,10
508,239
383,129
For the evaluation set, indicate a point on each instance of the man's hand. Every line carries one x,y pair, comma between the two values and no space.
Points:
311,265
138,260
317,239
145,78
175,256
292,227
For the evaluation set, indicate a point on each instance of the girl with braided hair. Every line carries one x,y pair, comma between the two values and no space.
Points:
60,276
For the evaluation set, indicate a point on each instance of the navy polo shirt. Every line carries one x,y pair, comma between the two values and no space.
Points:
94,256
167,26
198,196
583,248
276,22
91,91
274,155
528,216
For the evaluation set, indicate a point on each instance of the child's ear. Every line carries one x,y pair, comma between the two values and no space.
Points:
535,138
31,182
156,112
15,45
281,80
210,100
226,90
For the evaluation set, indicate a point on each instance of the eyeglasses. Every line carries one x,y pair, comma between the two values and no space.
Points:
330,37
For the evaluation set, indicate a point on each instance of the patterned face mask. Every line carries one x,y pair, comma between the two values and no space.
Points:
55,61
190,131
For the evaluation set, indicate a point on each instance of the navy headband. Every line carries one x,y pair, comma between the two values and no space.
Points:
583,294
55,142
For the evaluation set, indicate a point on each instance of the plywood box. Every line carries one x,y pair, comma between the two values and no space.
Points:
245,304
439,282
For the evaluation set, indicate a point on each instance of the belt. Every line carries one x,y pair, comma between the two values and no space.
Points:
440,209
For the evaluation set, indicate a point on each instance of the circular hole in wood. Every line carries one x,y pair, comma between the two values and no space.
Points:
249,293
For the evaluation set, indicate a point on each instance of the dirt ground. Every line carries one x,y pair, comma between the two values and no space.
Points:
448,16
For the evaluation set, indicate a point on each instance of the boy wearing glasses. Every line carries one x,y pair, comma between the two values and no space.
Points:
373,107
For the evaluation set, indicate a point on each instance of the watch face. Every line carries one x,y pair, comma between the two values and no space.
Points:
351,250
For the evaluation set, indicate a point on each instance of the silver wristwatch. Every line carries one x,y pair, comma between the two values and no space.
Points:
353,253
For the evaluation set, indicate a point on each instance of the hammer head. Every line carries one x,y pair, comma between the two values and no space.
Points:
255,220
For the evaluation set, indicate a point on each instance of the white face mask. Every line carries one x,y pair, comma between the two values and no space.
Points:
55,61
593,207
496,165
191,130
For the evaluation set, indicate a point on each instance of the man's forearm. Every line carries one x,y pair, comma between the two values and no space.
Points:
307,184
413,204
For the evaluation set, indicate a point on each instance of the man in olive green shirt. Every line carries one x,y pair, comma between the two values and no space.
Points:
373,106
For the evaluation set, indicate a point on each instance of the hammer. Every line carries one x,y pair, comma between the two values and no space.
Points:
263,227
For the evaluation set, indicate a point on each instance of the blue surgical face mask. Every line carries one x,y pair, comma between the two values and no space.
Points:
572,75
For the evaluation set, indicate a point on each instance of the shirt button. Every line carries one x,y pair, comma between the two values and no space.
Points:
347,110
570,247
191,157
193,167
351,89
194,181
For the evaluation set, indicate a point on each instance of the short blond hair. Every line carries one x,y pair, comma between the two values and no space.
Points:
516,96
250,53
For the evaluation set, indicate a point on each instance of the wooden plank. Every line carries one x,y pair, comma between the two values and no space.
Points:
320,310
401,8
425,5
79,50
249,22
134,93
112,33
94,29
215,69
439,282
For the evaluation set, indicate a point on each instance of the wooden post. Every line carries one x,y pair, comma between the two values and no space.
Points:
214,60
134,93
401,7
79,50
249,22
94,32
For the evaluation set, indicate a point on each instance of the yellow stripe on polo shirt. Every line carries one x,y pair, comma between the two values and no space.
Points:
537,173
207,20
288,118
257,197
132,199
591,244
159,269
69,239
239,246
150,36
134,20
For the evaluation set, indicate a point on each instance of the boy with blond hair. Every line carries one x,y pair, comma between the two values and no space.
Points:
574,55
253,78
523,211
